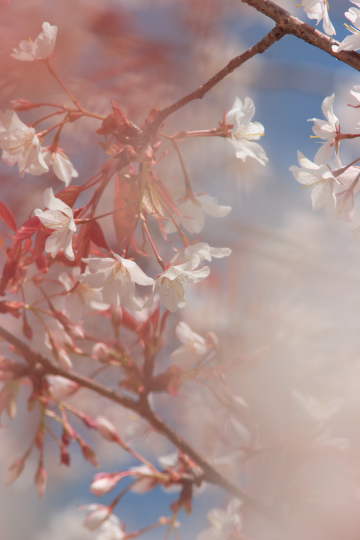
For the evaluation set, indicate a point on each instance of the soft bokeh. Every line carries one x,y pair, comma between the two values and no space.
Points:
277,410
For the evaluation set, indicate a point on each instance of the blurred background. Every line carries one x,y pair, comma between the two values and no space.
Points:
285,305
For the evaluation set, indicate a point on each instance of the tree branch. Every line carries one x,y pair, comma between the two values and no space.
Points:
142,408
272,37
292,25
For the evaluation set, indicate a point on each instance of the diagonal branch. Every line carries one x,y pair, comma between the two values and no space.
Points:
292,25
142,408
272,37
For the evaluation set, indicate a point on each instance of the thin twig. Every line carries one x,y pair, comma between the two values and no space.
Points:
272,37
142,408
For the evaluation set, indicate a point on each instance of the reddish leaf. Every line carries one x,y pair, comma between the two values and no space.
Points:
26,230
127,205
97,235
7,216
69,194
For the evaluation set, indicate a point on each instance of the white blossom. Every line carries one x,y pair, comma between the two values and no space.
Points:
318,10
193,211
77,284
61,165
58,217
352,41
20,145
244,132
40,48
346,187
319,177
225,524
329,188
116,278
171,284
327,130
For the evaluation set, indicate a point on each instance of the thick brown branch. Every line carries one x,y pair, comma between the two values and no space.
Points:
260,47
293,25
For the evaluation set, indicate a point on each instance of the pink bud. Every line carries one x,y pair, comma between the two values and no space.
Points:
41,479
100,352
22,104
104,482
106,429
16,469
60,387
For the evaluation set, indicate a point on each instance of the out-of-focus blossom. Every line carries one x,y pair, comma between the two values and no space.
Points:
355,92
352,41
225,524
193,211
98,513
58,217
171,284
320,411
40,48
201,251
244,132
327,130
20,145
116,278
192,344
318,10
61,165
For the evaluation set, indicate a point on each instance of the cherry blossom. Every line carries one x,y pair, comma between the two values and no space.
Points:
244,132
171,284
57,217
116,278
318,10
20,145
61,165
88,296
352,41
225,524
193,211
39,49
330,189
327,130
319,177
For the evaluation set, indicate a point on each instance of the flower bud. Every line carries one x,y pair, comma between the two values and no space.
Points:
98,514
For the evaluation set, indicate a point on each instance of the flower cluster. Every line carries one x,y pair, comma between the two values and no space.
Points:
334,184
